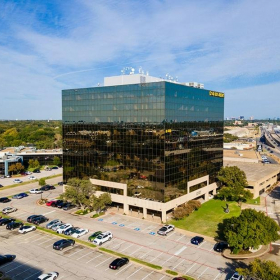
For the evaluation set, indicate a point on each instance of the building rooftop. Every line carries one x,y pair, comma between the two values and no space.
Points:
255,171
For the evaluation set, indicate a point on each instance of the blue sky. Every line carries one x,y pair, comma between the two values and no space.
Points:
47,46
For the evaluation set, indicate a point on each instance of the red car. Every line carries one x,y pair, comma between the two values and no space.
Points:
51,203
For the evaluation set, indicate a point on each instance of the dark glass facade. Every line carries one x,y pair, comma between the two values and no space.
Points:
155,137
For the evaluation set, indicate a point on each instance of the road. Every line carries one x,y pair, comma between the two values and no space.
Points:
9,181
138,238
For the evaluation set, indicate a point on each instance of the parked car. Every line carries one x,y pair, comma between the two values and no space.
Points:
13,225
56,202
36,171
63,243
32,178
48,276
80,232
35,191
56,226
60,183
40,220
119,262
4,199
55,167
52,223
50,203
25,229
6,221
64,227
68,206
6,258
16,181
70,231
45,188
8,210
165,229
20,196
32,217
62,204
220,246
236,276
1,186
94,235
103,237
28,173
197,240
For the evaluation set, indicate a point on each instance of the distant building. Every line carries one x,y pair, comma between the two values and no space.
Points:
152,144
241,118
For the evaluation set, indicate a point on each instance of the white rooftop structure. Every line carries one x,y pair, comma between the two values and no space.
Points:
130,79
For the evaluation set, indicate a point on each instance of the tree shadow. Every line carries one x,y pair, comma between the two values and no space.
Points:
231,268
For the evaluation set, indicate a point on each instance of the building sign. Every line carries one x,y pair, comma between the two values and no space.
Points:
216,94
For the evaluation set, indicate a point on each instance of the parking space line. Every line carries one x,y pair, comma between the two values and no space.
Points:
202,272
18,266
201,244
23,271
85,255
167,260
190,268
125,268
146,254
136,250
49,212
94,258
170,234
126,247
162,277
76,252
46,241
134,272
103,261
180,237
147,275
32,236
217,275
180,251
178,264
40,238
118,244
157,256
32,275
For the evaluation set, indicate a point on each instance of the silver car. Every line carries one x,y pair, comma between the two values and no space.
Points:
8,210
52,223
57,225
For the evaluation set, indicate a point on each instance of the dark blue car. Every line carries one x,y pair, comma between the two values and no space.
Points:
197,240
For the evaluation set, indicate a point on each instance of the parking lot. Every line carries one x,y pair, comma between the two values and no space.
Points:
35,256
138,238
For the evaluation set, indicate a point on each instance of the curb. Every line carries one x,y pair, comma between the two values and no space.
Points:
228,255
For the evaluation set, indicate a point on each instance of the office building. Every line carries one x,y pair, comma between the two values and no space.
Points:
152,144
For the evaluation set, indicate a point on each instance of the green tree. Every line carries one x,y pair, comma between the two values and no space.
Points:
18,167
56,161
250,229
261,270
99,203
233,182
42,182
79,192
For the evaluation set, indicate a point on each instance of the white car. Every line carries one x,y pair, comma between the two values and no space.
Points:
32,178
8,210
53,223
48,276
25,229
103,237
79,232
16,181
236,276
64,227
35,191
165,229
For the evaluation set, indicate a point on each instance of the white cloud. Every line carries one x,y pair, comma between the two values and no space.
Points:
207,41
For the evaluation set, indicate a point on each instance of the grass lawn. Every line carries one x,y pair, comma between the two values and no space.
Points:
256,201
206,219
